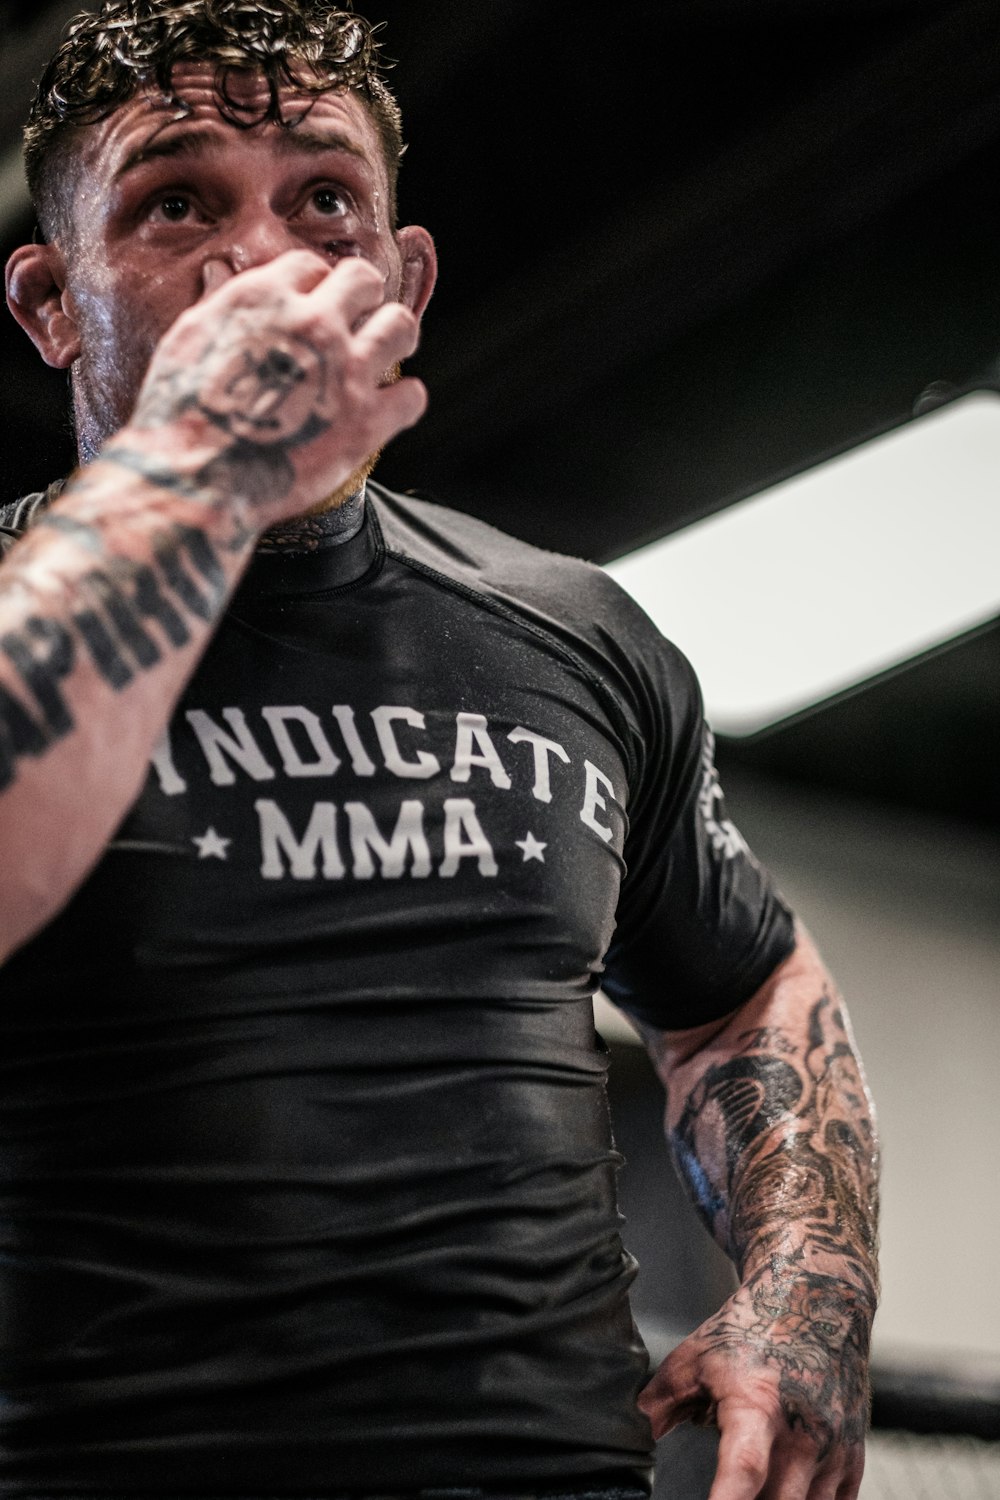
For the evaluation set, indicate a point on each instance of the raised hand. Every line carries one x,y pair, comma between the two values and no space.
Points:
275,387
259,402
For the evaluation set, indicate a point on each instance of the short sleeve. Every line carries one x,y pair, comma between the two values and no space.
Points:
700,924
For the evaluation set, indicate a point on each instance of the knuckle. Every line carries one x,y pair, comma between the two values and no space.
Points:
406,323
355,268
751,1465
396,334
289,259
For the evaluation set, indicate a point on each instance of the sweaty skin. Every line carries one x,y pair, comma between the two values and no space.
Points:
161,201
232,312
232,305
772,1130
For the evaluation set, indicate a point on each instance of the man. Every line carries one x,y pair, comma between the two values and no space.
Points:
324,813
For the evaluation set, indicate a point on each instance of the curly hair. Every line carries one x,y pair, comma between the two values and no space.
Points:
108,56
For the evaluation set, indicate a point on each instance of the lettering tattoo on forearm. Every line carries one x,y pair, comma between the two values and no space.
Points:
265,397
778,1150
115,604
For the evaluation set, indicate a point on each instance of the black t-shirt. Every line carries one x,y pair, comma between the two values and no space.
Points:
306,1171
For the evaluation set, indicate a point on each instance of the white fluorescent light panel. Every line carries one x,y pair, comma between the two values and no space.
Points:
834,576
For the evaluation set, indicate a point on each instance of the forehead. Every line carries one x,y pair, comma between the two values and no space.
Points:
150,117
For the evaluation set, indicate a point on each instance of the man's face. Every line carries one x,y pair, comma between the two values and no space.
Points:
168,205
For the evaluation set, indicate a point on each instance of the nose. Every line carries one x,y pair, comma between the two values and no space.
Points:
255,238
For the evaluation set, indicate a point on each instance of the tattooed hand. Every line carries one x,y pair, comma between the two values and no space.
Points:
781,1369
273,390
770,1125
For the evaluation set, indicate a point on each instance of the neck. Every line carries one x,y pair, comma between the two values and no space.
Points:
310,533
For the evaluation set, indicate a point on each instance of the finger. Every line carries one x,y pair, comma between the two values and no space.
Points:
794,1478
826,1488
352,288
674,1394
294,270
800,1471
398,406
390,334
837,1482
215,273
850,1485
673,1411
744,1455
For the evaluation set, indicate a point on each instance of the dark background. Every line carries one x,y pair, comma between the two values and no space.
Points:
686,248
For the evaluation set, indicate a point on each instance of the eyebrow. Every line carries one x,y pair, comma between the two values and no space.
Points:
193,143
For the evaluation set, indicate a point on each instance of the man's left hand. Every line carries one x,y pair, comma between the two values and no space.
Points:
781,1370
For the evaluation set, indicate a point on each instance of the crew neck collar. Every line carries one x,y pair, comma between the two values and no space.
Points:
311,533
332,564
336,562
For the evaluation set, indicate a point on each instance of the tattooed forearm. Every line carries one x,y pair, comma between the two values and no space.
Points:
771,1128
770,1122
124,615
777,1146
260,398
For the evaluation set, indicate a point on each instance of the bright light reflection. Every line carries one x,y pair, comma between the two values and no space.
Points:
829,578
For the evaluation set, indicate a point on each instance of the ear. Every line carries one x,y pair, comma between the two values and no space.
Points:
419,272
36,295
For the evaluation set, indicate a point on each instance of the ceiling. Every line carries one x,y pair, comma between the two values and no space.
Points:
687,249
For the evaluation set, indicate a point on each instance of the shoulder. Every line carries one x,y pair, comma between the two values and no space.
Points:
17,515
583,612
461,545
557,590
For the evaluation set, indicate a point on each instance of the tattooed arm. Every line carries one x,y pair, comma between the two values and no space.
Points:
771,1129
259,402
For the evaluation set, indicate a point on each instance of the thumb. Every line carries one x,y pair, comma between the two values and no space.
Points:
676,1392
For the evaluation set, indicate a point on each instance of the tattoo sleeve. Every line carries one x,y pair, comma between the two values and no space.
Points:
772,1132
776,1144
124,613
106,603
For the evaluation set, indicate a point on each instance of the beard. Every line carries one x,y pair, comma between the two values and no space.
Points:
94,422
356,482
103,393
346,491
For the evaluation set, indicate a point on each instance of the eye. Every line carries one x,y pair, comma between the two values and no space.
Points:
174,207
328,201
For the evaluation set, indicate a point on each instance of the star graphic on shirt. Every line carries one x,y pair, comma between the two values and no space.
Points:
532,848
211,846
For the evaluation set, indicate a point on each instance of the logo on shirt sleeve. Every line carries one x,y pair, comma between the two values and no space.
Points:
723,834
